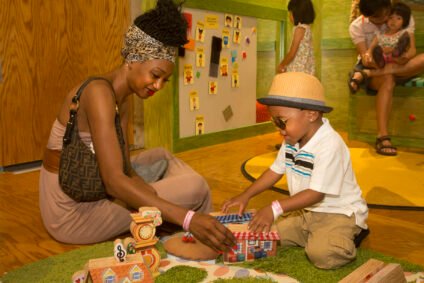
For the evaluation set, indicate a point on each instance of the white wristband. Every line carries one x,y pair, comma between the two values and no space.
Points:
277,210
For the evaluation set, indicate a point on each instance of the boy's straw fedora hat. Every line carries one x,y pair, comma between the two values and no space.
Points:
297,90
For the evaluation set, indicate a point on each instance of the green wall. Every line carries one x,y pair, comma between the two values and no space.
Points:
338,55
161,111
334,53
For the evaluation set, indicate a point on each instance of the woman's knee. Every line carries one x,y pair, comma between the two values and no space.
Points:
200,186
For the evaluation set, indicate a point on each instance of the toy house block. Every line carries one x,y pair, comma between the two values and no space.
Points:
107,269
251,246
391,273
364,272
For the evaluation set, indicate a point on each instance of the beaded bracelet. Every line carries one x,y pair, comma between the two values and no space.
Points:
277,210
187,220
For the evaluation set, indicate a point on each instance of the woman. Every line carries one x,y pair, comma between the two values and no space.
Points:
149,52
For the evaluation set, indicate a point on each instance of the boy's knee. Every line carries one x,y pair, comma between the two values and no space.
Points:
332,255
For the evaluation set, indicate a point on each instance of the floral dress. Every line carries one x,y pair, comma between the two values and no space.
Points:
304,59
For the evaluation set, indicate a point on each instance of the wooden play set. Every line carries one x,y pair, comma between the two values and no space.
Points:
250,246
135,259
375,271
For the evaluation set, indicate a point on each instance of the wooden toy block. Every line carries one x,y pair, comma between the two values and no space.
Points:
108,269
80,276
364,272
391,273
143,229
249,246
376,271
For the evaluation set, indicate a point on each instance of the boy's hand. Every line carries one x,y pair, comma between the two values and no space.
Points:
262,220
239,200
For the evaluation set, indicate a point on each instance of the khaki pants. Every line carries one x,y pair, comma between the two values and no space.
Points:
326,237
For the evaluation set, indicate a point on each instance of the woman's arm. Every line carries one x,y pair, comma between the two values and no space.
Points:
98,109
298,35
412,50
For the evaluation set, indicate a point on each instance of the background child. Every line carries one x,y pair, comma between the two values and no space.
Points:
300,57
327,210
387,46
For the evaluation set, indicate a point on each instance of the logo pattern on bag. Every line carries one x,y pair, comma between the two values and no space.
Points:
79,174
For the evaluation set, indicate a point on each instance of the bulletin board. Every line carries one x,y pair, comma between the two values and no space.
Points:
217,95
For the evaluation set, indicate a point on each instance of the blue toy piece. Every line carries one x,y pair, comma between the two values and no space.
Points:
234,218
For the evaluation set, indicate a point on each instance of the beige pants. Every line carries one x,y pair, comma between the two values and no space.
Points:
90,222
326,237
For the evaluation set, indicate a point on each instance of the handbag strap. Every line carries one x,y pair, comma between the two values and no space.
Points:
73,109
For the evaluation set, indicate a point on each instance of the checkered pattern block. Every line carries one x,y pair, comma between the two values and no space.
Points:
234,218
415,82
263,236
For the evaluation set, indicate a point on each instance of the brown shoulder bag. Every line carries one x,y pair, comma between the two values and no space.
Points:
79,174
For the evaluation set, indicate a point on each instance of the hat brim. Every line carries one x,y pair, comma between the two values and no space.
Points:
280,101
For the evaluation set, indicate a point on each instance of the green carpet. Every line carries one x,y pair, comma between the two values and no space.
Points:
290,261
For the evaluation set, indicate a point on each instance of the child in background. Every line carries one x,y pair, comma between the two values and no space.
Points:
388,46
326,209
300,57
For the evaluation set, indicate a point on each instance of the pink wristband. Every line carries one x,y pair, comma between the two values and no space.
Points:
187,220
277,210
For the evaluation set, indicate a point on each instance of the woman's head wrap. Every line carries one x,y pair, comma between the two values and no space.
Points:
141,47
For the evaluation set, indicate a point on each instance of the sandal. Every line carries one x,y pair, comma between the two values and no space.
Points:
380,147
355,81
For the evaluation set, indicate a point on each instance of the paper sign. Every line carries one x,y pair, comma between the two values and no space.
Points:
188,74
235,82
213,87
200,125
226,38
223,67
200,31
211,22
228,20
236,36
237,22
200,57
194,101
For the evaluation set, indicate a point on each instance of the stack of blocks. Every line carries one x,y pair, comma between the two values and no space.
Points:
135,259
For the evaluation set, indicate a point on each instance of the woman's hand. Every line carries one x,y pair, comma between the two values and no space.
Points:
402,60
262,220
281,68
211,232
239,200
367,59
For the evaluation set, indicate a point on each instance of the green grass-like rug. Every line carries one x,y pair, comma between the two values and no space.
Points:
290,261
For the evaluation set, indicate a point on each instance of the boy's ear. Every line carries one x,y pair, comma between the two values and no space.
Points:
313,115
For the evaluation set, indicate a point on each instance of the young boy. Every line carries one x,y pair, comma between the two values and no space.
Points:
327,210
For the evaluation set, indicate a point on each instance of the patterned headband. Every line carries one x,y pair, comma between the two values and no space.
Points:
139,46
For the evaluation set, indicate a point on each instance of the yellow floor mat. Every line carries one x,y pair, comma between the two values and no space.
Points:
395,181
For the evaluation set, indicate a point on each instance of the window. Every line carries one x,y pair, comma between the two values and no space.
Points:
239,247
267,245
110,279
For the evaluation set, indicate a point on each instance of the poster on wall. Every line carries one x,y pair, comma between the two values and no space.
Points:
218,77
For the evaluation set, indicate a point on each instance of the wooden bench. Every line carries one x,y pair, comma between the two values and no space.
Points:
406,124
